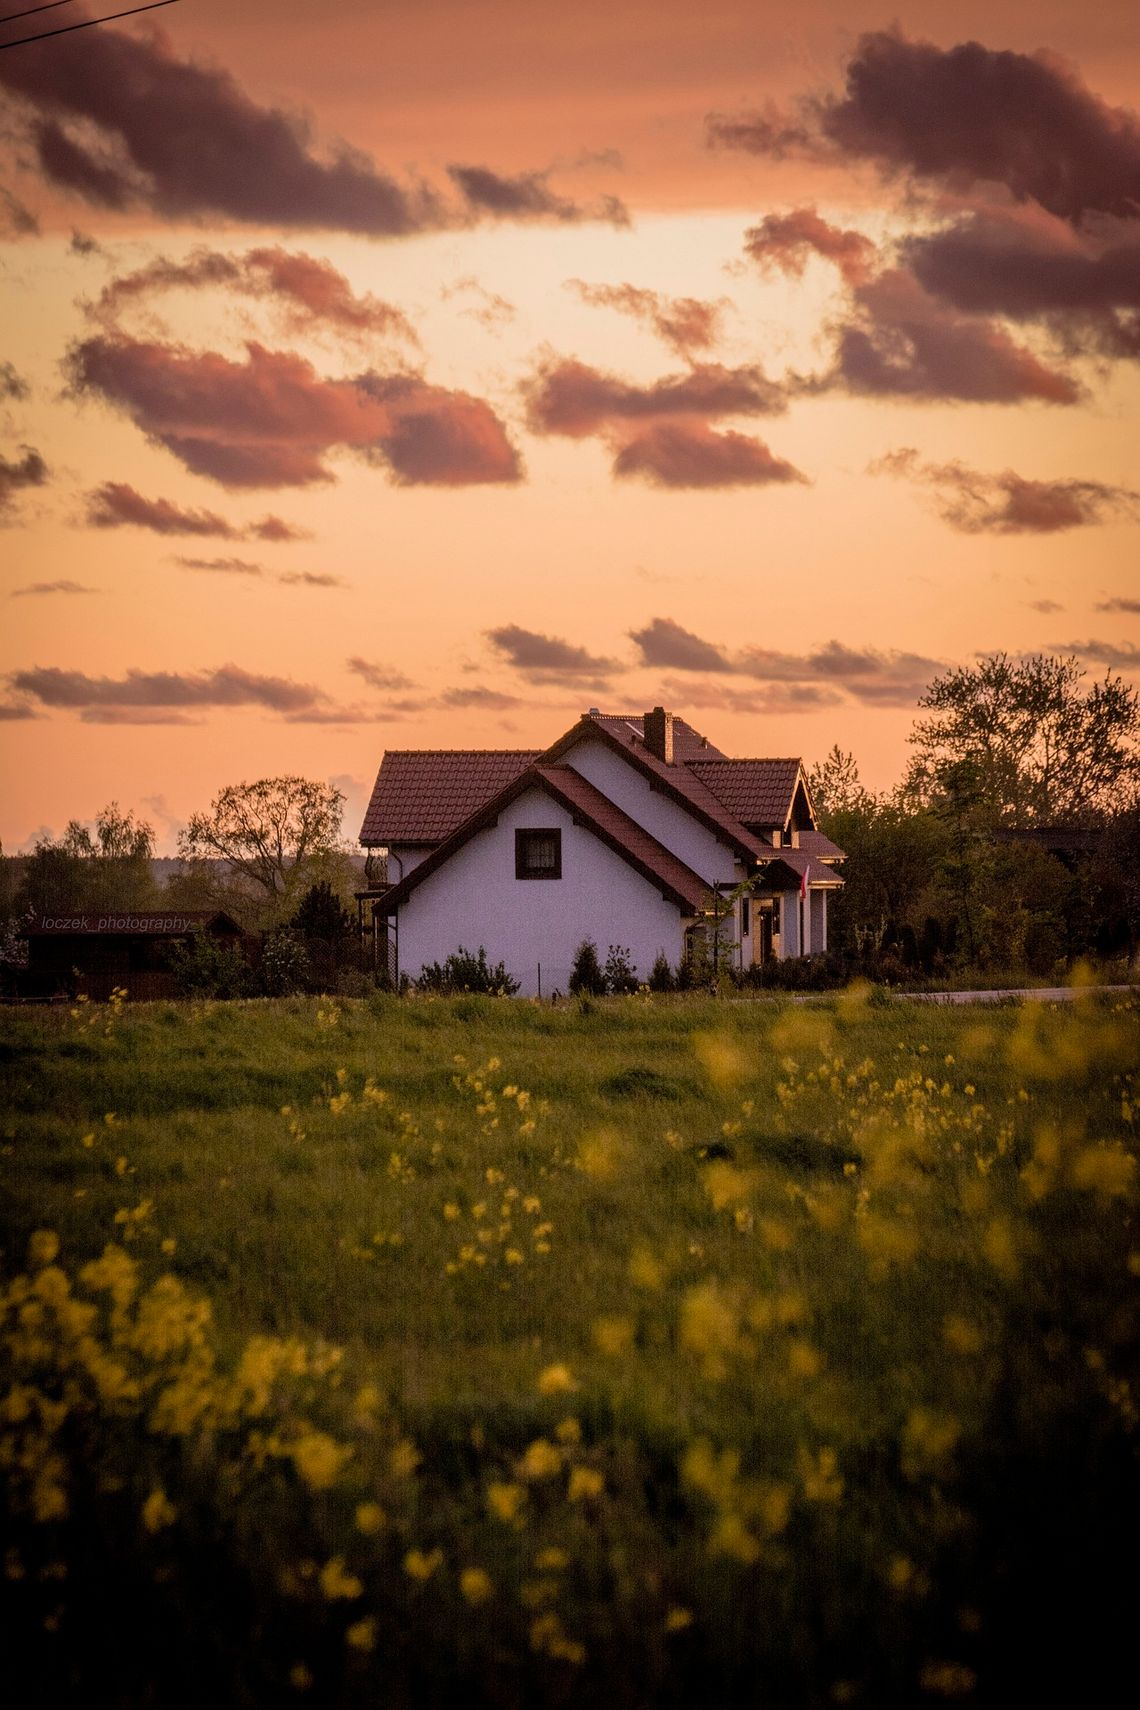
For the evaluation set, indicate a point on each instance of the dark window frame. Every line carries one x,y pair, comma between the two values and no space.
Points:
523,868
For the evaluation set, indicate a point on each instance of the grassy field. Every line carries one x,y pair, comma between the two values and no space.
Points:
644,1353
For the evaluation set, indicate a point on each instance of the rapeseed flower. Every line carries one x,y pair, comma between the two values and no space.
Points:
336,1583
555,1380
421,1566
476,1586
585,1484
505,1500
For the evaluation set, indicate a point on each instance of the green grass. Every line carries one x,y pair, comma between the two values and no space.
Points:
834,1304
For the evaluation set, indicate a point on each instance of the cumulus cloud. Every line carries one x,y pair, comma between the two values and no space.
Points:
528,196
663,643
547,659
140,692
12,384
785,241
17,474
62,586
186,139
272,420
964,116
566,396
691,454
311,293
685,324
1007,503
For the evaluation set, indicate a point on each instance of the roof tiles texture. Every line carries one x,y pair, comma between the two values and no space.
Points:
422,794
756,792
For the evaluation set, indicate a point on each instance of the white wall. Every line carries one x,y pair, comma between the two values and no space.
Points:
475,899
669,823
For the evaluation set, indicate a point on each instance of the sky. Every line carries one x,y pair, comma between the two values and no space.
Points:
418,374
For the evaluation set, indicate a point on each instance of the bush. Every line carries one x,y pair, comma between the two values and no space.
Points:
586,977
661,975
619,974
208,967
463,972
284,963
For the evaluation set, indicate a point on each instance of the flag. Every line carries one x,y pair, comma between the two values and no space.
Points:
804,880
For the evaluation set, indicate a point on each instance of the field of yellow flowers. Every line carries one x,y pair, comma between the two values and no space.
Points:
645,1353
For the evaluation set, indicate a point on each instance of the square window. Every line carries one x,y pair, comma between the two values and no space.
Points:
538,854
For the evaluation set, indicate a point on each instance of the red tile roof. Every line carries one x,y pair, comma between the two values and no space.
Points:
688,744
422,794
815,843
757,792
589,807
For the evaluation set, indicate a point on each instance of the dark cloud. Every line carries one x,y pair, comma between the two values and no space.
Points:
664,644
116,504
977,503
312,293
899,341
487,700
383,678
186,139
16,474
310,579
1083,286
16,221
10,711
962,117
566,396
62,586
1120,655
685,324
1048,606
272,420
547,659
785,241
275,529
82,243
528,196
691,454
883,678
223,566
133,715
229,686
1119,605
12,384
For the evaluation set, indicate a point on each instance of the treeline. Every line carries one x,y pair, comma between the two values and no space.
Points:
1013,840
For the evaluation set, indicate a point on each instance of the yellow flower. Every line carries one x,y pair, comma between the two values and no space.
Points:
555,1380
362,1634
541,1460
585,1484
451,1211
613,1336
551,1560
403,1459
370,1518
318,1458
335,1582
820,1475
43,1245
505,1500
300,1677
419,1566
568,1431
157,1512
948,1679
678,1619
475,1585
512,1256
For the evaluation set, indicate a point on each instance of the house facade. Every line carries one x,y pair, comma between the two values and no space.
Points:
632,830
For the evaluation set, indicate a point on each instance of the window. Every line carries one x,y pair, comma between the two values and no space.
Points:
538,854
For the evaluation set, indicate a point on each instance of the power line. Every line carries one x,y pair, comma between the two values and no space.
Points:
87,24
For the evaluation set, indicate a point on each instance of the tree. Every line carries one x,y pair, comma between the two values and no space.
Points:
107,872
1042,750
270,832
835,784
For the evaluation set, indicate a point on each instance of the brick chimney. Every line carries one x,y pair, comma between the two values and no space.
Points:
658,727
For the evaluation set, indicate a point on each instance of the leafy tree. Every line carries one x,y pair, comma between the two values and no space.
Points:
107,871
1042,750
270,832
836,786
208,967
586,976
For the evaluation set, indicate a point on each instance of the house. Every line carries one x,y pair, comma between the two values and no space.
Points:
632,830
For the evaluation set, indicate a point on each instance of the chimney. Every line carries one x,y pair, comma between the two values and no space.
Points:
658,727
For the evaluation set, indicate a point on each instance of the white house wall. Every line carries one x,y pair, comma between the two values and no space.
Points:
672,825
474,899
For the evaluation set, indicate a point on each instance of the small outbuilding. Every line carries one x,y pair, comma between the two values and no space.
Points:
92,954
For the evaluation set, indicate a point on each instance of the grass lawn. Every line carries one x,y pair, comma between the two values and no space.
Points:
637,1353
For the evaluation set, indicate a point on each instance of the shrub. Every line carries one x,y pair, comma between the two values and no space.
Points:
619,974
208,967
586,977
284,963
321,914
661,975
464,972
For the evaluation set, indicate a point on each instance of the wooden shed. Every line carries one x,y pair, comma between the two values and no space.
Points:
71,954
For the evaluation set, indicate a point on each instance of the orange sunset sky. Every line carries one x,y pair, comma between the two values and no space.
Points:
418,373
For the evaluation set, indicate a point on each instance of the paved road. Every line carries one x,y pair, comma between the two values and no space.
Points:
1035,994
